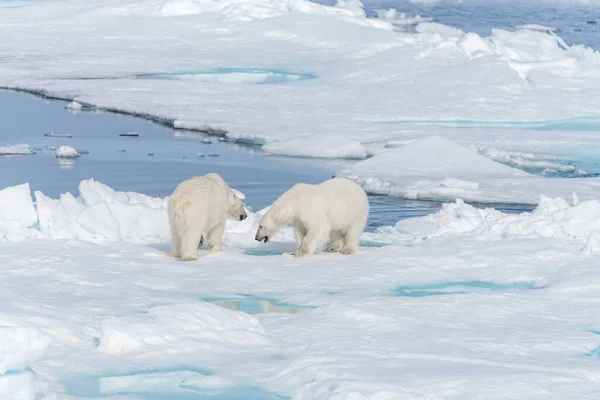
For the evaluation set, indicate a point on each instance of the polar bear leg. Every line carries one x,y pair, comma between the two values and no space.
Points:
189,244
175,242
337,241
215,236
314,239
352,239
299,233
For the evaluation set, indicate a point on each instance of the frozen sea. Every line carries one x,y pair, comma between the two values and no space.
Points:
472,125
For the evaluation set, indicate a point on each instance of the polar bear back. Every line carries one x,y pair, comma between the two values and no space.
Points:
340,201
202,200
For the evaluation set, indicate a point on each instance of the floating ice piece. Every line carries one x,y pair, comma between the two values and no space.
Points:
207,141
15,149
129,134
213,155
58,134
75,106
66,152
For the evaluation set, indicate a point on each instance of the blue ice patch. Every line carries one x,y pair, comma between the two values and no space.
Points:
460,287
162,384
234,75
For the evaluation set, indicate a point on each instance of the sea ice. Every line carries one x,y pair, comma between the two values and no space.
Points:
433,168
15,149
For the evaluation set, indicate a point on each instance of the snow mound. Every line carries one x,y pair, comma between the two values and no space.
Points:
435,168
205,324
334,146
19,346
99,214
15,149
16,207
19,385
66,152
552,218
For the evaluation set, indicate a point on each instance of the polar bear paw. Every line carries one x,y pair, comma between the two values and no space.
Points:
334,247
348,251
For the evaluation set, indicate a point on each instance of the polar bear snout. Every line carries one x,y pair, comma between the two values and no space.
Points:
261,239
243,216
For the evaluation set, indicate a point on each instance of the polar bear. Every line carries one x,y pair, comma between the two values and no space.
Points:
337,208
199,205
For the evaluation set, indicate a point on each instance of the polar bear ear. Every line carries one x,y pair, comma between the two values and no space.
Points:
238,194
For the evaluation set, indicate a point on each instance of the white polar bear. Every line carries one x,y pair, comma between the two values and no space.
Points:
337,208
201,205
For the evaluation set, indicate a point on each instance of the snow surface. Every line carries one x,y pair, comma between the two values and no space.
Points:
466,303
340,84
502,306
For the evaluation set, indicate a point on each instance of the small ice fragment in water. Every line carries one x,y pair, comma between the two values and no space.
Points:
58,134
200,155
66,152
129,134
150,154
213,155
207,141
74,106
16,149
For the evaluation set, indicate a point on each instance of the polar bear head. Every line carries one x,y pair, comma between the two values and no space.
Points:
267,228
236,208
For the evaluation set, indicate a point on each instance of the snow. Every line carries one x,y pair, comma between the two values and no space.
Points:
528,282
20,346
464,303
435,168
334,146
15,149
66,152
204,322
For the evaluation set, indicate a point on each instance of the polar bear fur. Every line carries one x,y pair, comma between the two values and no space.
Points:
337,208
200,205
